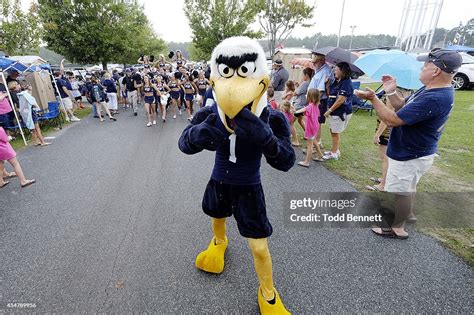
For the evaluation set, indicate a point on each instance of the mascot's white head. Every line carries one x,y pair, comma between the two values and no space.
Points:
239,78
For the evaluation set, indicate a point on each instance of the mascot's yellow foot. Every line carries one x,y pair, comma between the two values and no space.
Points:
212,259
266,308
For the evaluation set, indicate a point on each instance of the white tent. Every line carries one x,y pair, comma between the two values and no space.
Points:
29,60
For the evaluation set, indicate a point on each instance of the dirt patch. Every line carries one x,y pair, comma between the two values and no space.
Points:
446,182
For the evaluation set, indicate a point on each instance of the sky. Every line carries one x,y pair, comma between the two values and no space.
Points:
369,17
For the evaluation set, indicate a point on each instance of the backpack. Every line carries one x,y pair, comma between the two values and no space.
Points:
96,94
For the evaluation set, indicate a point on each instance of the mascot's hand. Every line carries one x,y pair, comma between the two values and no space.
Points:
206,135
253,128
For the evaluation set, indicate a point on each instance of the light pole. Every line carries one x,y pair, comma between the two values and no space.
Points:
352,34
340,24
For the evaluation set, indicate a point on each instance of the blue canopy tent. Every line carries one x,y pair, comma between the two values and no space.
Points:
8,64
460,48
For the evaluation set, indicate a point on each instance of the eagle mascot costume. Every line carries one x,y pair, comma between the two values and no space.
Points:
240,127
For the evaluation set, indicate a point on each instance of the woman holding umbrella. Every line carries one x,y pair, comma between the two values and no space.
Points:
339,107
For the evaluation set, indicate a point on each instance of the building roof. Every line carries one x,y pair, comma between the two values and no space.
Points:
29,60
294,51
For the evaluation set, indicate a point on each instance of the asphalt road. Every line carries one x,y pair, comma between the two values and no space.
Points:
114,224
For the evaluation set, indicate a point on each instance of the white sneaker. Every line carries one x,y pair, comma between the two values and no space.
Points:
331,156
10,138
149,124
74,118
329,152
174,116
154,122
180,112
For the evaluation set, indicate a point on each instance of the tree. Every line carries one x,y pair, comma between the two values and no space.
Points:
215,20
279,17
102,31
20,32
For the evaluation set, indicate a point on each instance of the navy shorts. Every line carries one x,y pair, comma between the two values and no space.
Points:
7,119
174,95
323,108
149,99
189,97
34,116
245,202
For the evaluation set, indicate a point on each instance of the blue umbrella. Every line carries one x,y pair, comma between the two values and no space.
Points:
7,64
404,67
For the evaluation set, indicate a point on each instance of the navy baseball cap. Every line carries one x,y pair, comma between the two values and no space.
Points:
447,60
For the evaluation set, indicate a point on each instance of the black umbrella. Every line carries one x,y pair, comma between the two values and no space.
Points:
335,54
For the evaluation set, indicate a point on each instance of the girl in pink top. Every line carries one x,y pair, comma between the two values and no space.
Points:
8,154
312,126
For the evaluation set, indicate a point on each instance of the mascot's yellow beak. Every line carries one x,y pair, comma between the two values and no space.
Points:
235,93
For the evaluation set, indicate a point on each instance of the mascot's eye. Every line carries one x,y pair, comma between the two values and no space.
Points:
225,71
246,69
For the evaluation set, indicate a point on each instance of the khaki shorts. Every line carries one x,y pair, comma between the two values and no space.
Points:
67,103
403,176
337,125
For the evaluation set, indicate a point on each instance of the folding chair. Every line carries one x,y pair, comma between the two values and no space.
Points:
52,115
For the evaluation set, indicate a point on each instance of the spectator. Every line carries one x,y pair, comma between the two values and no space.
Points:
75,91
14,88
417,124
28,108
6,112
279,77
287,109
99,99
12,76
300,102
271,98
66,97
123,90
132,83
111,90
289,91
340,107
381,137
312,125
318,81
8,154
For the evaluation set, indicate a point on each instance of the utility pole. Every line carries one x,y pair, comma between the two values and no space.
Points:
340,24
352,34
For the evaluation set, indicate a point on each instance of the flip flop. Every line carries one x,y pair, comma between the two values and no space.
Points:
302,164
44,144
389,233
374,188
30,182
11,175
318,159
375,180
5,183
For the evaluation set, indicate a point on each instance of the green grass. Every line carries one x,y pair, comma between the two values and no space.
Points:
453,170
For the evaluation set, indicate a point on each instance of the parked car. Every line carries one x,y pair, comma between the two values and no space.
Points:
465,75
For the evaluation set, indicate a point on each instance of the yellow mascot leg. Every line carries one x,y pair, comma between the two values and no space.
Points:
212,259
268,299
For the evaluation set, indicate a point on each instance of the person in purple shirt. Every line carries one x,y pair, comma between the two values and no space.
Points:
417,124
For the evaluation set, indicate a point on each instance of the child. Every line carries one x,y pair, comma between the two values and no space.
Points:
8,154
287,110
312,126
289,91
271,98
